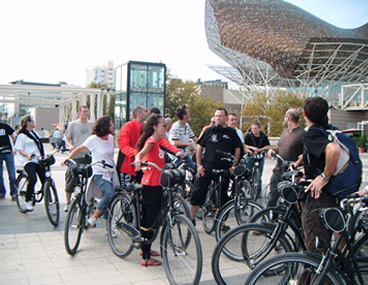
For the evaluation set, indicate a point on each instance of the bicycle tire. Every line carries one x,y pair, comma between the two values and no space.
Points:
121,210
52,206
182,258
230,216
234,256
298,268
74,226
21,184
274,215
209,211
254,184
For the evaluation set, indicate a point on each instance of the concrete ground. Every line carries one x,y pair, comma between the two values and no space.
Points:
32,250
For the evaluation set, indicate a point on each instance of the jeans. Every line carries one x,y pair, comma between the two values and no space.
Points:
274,194
250,164
189,161
107,189
10,166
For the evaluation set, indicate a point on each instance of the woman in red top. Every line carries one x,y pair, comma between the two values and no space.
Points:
149,150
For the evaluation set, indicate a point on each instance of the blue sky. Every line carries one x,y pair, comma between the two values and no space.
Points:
52,41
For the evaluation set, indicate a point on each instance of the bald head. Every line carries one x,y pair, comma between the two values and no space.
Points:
293,115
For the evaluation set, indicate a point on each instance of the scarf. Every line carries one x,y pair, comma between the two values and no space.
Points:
32,135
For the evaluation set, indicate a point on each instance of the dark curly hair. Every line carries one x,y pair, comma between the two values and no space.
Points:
102,126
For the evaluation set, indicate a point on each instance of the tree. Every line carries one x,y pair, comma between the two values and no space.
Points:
270,112
188,93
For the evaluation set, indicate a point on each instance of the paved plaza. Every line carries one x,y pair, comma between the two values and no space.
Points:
32,250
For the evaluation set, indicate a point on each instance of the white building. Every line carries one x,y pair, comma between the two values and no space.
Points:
101,74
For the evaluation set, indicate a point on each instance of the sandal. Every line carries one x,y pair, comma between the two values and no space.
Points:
152,253
150,262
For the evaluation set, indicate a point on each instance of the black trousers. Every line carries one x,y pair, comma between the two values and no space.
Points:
151,205
31,169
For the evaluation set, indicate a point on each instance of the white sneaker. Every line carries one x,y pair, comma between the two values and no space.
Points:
91,222
113,233
66,208
29,206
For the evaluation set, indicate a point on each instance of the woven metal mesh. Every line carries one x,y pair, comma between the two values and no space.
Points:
276,42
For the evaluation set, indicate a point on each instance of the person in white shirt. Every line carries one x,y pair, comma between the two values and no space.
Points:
101,146
30,148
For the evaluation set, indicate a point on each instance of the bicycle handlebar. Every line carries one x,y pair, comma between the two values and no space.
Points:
353,199
69,162
227,154
147,164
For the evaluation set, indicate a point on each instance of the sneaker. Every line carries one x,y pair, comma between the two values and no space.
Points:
91,222
29,207
194,222
66,208
225,229
2,196
113,233
14,198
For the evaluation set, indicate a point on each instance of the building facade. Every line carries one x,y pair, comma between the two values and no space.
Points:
101,74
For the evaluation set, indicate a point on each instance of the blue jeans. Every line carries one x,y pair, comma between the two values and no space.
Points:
250,164
9,160
189,160
107,189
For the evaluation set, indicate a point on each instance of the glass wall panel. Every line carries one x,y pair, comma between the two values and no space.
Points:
137,99
138,78
156,100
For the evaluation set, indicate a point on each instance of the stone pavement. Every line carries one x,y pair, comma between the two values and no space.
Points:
32,250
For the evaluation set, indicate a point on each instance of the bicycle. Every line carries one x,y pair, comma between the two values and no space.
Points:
240,209
334,266
80,210
180,245
255,180
48,191
249,244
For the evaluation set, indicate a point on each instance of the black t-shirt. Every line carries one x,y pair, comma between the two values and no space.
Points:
258,142
214,138
5,132
315,141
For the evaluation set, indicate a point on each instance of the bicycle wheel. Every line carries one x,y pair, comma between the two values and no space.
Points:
181,205
182,259
121,211
209,211
74,225
52,205
253,191
234,214
21,184
246,246
297,268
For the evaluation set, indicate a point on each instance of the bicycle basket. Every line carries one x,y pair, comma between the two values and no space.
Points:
82,169
288,192
242,172
171,177
333,219
49,160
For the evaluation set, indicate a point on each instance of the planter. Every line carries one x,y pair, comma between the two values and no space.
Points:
361,149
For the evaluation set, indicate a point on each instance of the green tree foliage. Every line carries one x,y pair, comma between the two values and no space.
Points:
188,93
270,112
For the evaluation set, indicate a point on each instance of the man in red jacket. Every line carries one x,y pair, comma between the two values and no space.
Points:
128,138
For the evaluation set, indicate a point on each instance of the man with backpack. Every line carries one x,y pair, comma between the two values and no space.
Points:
322,159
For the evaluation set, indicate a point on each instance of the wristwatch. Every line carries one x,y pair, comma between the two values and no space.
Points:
324,177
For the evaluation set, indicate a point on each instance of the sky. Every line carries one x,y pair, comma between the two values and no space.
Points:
52,41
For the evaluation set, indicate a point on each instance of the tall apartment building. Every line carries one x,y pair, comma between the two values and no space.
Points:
101,74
